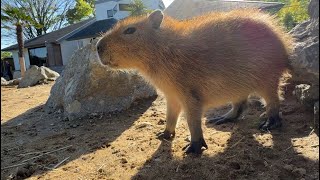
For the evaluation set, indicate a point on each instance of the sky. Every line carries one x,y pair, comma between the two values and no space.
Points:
9,41
167,2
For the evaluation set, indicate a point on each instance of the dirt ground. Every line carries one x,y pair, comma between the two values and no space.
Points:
124,145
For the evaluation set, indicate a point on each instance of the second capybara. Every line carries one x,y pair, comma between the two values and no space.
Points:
207,61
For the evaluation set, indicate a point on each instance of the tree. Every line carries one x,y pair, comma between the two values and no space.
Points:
18,18
137,8
47,15
5,54
82,10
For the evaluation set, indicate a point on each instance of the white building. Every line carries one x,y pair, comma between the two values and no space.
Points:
55,48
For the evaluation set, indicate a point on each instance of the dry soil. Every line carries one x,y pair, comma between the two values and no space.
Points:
125,145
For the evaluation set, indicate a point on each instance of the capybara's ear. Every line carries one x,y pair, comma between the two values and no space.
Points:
155,19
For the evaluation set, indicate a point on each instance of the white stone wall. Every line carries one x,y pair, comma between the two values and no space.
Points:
101,8
16,59
69,47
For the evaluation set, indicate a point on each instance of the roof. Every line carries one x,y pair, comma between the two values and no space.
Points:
185,9
52,37
94,29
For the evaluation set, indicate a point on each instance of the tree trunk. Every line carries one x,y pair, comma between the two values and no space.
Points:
20,48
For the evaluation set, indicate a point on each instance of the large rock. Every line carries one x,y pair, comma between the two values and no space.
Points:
307,94
16,74
4,82
12,82
316,117
35,75
305,59
87,87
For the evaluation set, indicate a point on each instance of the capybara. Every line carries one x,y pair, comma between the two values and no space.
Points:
207,61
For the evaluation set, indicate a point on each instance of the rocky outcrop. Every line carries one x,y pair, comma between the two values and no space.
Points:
35,75
86,87
305,61
12,82
4,82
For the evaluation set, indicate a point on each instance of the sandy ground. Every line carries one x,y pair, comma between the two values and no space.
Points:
124,145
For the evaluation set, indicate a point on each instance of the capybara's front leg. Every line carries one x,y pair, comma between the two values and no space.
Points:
173,111
194,113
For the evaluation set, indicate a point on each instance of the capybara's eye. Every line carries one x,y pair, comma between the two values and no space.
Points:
130,30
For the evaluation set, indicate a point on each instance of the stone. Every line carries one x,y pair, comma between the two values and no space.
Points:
4,82
51,75
86,87
14,82
306,94
305,58
35,75
316,117
304,62
16,74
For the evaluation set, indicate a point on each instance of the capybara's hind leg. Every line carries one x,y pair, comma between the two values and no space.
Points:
233,114
173,111
272,111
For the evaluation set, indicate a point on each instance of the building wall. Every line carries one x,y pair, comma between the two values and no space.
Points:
16,59
69,47
101,8
54,55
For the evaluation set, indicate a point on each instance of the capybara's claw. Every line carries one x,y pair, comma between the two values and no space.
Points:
195,147
166,135
270,123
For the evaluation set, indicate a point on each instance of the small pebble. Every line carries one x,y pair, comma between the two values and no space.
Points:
124,161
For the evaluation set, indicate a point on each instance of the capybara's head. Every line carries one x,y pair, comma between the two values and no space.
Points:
126,45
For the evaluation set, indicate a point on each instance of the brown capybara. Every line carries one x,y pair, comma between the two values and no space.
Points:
203,62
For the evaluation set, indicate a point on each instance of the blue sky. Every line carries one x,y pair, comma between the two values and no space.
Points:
9,41
167,2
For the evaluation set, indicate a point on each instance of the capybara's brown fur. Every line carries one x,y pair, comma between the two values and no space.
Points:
203,62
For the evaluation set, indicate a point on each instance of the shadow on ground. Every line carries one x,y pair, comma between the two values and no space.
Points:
244,157
34,131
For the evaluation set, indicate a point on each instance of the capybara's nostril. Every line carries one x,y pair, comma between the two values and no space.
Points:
98,49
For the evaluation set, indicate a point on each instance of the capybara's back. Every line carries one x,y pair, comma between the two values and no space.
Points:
204,62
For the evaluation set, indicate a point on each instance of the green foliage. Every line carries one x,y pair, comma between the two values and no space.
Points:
137,8
81,10
14,15
294,12
38,16
5,54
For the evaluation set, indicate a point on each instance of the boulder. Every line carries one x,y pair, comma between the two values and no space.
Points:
305,61
14,82
51,75
35,75
86,87
316,117
4,82
305,58
16,74
307,94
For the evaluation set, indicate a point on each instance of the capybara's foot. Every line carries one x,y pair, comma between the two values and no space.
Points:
166,135
221,120
195,147
271,123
